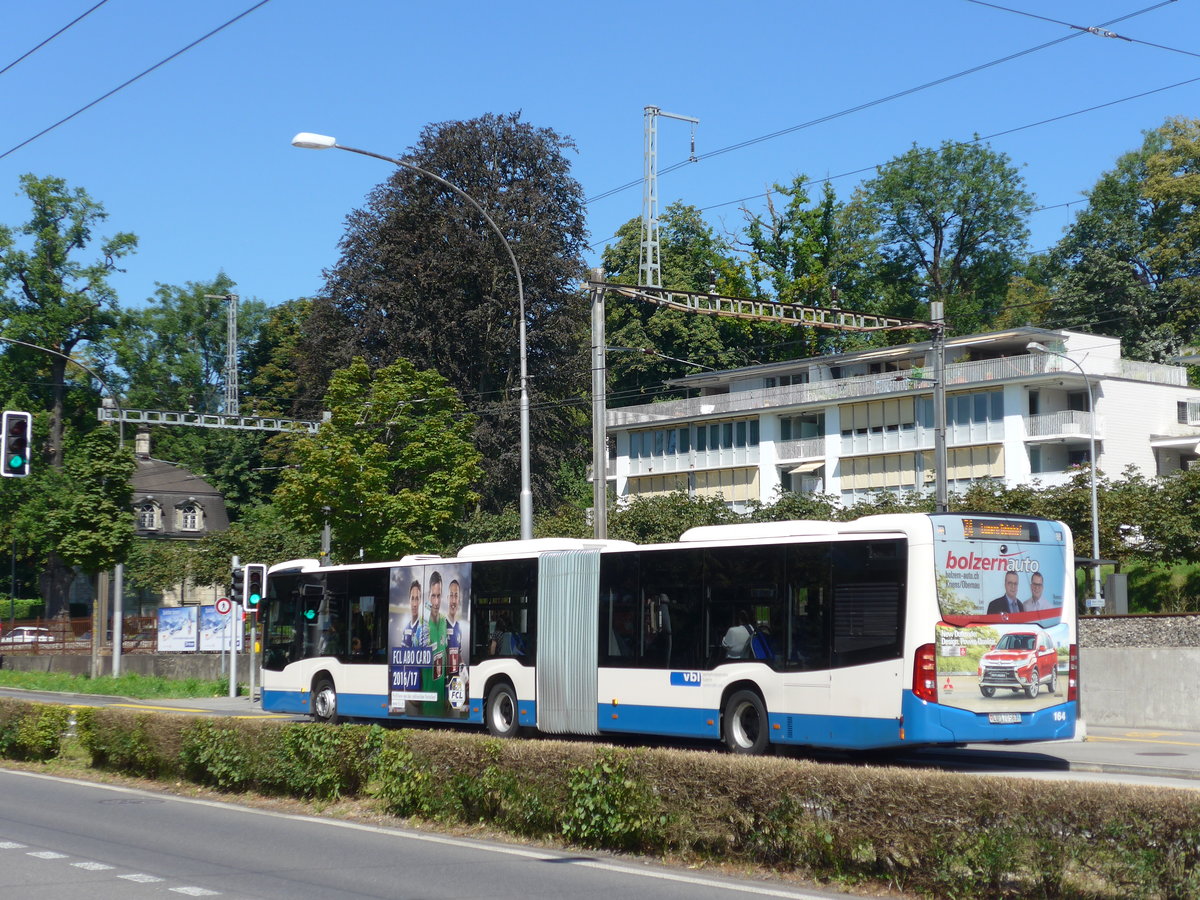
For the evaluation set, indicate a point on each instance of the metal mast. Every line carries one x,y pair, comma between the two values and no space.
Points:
649,271
232,407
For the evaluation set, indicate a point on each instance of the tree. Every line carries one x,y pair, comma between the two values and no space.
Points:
52,299
81,512
953,226
174,350
693,258
664,517
813,255
393,466
422,277
1130,263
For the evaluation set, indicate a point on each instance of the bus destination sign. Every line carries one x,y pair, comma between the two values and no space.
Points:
999,530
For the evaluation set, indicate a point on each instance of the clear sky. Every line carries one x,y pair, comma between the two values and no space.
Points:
195,157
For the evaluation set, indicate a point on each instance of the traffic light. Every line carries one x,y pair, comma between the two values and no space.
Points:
14,438
256,584
235,586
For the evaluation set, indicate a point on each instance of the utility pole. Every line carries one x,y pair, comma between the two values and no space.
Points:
941,493
599,412
649,271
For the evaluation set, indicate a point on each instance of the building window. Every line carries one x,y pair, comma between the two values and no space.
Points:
149,516
808,425
190,517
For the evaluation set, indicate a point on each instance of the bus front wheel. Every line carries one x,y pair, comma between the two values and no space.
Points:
501,711
745,723
324,702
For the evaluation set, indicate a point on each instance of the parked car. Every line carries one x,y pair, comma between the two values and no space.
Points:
1020,661
28,634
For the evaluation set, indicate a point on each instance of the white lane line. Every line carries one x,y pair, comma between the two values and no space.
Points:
46,854
93,866
11,845
141,878
195,891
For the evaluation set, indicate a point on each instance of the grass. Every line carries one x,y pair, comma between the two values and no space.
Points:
138,687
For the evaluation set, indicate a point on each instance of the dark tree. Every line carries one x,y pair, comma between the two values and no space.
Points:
423,277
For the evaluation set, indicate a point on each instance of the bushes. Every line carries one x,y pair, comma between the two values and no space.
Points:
938,834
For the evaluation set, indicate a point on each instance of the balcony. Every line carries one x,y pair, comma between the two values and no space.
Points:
958,375
803,448
1066,424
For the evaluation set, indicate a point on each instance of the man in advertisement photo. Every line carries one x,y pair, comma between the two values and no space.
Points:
1009,602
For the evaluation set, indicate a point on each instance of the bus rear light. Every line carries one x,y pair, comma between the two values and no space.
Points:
925,673
1073,674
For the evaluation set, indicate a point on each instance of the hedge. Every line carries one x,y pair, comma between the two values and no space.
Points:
935,833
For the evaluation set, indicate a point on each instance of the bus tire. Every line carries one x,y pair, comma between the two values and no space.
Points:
500,711
324,701
744,723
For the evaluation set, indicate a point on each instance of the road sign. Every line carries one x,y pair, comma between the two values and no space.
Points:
224,606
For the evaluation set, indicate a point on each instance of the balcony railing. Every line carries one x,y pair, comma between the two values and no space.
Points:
802,448
958,375
1058,424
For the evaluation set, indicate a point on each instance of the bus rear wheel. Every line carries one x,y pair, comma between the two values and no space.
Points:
744,723
324,702
501,711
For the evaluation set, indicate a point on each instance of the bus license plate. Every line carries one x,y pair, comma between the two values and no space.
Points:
1004,718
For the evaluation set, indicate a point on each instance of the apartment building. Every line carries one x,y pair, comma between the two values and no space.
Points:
853,424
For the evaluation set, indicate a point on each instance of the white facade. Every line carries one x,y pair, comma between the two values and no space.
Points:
861,422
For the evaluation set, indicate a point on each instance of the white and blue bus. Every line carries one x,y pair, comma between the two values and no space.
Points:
885,632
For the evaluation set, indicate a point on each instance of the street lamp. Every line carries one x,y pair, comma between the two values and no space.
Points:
310,141
1035,347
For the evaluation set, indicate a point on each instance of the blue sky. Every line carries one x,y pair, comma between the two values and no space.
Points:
195,157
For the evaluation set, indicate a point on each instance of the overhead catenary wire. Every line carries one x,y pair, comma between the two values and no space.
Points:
28,53
138,77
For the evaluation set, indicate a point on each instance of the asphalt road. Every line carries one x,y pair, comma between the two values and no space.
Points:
65,838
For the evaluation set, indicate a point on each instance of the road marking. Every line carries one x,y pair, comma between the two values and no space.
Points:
141,878
1141,739
195,891
93,866
46,854
11,845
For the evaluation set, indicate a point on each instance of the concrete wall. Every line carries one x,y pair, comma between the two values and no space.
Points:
1140,687
206,666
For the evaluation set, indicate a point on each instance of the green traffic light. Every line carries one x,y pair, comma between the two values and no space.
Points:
16,461
310,614
255,599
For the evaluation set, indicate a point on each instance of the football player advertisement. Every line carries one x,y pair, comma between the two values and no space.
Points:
428,646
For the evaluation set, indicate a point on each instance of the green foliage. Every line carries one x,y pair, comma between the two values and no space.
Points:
953,223
608,807
394,464
404,788
1128,266
424,278
140,744
142,687
216,754
322,762
31,732
656,519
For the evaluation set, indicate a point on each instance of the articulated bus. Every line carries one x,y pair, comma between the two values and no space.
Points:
886,632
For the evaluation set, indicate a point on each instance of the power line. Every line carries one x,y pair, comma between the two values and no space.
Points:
29,53
870,103
1090,29
137,77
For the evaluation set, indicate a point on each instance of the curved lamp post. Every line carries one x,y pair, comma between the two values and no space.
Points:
1036,347
310,141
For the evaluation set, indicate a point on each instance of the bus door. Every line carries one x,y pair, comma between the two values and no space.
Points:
567,646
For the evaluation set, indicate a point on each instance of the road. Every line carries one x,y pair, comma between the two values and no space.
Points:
1142,755
60,837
